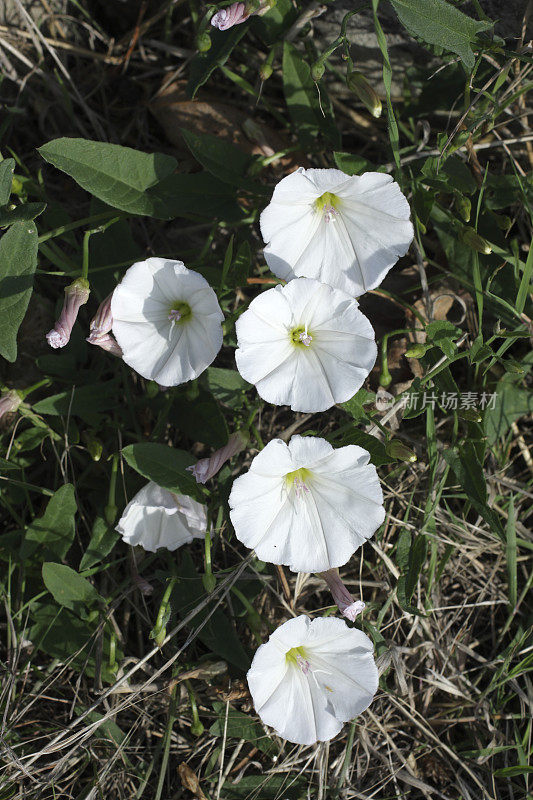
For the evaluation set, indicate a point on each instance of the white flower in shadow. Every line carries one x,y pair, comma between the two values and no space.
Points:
167,321
306,504
311,677
347,231
157,518
306,345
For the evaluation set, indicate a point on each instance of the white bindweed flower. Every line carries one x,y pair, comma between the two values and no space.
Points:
306,504
158,518
306,345
344,231
311,677
166,320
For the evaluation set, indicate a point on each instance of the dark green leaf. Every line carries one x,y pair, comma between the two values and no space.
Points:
198,195
18,260
119,176
23,213
354,405
29,439
226,385
81,401
221,158
310,114
451,173
271,26
164,465
240,269
267,787
68,588
203,64
241,726
7,168
440,23
510,404
378,454
218,634
54,531
103,539
61,634
201,421
353,164
511,772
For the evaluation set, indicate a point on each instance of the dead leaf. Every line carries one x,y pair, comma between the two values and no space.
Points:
173,109
189,780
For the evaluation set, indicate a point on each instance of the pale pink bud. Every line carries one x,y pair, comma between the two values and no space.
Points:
205,468
230,16
106,341
76,295
9,402
348,607
102,322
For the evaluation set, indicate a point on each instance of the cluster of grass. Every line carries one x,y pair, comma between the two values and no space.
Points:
91,705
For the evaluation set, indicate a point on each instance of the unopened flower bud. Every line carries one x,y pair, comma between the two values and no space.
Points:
348,607
417,350
206,468
503,222
358,84
9,402
265,71
106,341
469,414
76,295
203,42
397,449
464,206
472,239
230,16
102,322
317,70
94,445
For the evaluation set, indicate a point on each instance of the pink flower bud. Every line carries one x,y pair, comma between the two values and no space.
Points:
205,468
76,295
106,341
230,16
9,402
102,322
348,607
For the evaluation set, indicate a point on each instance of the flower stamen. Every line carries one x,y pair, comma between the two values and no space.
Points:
297,480
305,338
301,336
327,204
303,663
297,656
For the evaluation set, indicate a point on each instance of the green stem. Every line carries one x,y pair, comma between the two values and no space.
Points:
159,629
81,223
196,725
33,387
110,510
167,741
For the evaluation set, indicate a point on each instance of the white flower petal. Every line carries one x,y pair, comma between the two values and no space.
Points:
328,369
169,352
351,248
335,680
310,521
157,518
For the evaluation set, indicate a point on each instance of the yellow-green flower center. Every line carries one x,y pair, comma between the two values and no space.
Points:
301,337
179,312
328,204
294,653
298,477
